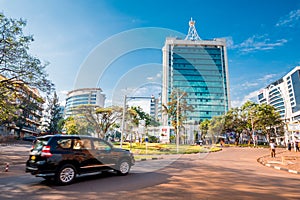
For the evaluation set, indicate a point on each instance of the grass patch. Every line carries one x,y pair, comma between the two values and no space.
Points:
160,149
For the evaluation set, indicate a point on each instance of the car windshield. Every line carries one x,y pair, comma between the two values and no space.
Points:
39,143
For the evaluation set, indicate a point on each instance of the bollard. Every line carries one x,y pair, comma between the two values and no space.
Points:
7,166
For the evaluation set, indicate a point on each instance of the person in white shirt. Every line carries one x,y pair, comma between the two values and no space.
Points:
272,146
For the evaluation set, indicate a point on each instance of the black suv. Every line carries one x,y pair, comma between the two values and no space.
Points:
62,157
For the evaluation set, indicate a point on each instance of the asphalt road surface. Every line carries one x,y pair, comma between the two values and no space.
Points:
230,174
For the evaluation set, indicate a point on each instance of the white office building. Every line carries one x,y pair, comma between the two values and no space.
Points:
284,95
84,96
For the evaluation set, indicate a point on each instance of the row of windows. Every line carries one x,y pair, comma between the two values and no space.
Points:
198,66
196,56
197,77
198,115
216,84
196,49
80,100
72,104
197,62
276,101
196,71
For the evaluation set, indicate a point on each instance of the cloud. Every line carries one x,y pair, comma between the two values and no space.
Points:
268,77
260,43
157,77
252,88
249,84
290,20
255,43
252,96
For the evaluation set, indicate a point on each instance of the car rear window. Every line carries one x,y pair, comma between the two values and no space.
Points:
39,143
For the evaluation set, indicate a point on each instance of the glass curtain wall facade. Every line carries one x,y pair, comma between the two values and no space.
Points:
200,69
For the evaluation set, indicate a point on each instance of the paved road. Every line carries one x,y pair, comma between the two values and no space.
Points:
230,174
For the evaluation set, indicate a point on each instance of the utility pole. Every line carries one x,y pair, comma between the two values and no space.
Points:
123,121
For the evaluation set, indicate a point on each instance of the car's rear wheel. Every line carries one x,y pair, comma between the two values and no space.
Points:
123,167
66,174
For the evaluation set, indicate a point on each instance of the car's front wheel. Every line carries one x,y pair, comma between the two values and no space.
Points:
66,174
123,167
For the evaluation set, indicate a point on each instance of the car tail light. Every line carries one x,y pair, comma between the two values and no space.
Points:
46,151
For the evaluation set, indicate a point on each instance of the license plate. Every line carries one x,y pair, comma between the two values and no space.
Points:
32,157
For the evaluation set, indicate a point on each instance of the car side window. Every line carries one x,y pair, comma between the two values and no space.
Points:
101,145
82,144
77,144
64,143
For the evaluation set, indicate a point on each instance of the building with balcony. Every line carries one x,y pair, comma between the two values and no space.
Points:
200,69
284,95
83,96
27,113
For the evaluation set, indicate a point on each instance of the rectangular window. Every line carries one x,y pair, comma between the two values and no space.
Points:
64,143
82,144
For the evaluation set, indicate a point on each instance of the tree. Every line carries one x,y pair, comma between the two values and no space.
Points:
234,122
107,118
54,113
137,114
216,126
204,125
171,108
17,66
98,119
270,120
71,126
249,114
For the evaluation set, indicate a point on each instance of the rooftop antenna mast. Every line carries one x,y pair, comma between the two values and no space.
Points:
192,34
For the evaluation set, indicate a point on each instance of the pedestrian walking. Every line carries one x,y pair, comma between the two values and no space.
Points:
272,146
289,145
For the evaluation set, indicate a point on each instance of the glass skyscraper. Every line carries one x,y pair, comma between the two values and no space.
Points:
200,69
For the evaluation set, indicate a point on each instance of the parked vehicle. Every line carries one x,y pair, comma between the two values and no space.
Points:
63,157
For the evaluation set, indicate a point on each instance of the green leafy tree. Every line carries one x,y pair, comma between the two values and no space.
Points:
234,122
108,118
71,126
204,126
171,108
137,114
55,115
216,127
249,114
97,119
270,120
17,66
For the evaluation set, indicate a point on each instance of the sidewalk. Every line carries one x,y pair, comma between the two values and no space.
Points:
14,154
285,160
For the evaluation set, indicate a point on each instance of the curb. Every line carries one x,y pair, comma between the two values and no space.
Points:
282,169
260,160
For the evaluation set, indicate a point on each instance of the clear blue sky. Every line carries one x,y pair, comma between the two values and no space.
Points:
263,38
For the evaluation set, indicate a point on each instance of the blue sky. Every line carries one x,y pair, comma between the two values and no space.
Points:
263,39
